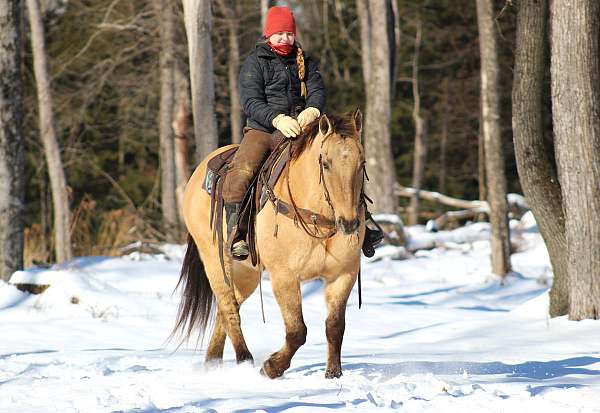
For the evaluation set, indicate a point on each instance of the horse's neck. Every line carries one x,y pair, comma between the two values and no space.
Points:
306,189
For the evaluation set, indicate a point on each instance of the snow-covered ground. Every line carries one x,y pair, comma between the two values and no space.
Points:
436,333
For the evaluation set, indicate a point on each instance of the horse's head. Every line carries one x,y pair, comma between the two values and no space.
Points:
341,161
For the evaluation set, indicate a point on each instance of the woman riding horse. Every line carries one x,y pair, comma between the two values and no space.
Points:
311,228
281,89
317,234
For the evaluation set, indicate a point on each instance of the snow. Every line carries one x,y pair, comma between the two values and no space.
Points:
517,199
436,332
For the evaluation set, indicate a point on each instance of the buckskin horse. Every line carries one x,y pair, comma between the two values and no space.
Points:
321,237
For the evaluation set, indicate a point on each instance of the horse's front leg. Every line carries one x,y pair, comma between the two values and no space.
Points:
286,289
336,296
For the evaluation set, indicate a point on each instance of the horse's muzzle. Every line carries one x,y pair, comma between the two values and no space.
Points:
347,227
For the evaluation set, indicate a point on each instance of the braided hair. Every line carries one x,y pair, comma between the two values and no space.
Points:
301,70
301,67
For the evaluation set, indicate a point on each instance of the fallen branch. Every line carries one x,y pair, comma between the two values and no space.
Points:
451,216
408,192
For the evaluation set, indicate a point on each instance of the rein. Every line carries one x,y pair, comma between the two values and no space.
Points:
314,216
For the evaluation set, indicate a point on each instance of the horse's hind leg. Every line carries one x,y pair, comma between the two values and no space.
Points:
245,282
214,353
336,296
228,317
287,293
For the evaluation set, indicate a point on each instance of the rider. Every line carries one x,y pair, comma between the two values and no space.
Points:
281,89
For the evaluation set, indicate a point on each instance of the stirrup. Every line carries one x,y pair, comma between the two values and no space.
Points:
240,250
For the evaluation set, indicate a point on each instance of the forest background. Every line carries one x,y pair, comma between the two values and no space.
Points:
103,57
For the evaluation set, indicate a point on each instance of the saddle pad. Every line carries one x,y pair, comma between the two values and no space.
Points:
216,167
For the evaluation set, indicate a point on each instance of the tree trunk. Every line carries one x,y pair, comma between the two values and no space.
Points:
45,214
420,151
180,129
444,141
170,217
483,195
494,155
362,8
537,171
58,182
394,36
264,8
378,151
233,69
575,74
12,157
198,25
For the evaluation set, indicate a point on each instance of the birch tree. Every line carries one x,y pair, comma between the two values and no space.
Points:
12,160
198,25
58,182
575,85
490,125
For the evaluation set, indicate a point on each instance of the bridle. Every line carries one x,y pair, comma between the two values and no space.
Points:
316,217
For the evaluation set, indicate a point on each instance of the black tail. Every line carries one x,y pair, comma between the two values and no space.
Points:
197,301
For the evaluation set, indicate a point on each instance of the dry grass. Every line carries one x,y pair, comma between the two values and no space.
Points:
37,249
95,232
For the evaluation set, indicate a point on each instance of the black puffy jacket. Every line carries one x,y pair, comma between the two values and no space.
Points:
270,85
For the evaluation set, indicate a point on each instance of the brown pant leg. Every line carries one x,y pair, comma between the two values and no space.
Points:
253,150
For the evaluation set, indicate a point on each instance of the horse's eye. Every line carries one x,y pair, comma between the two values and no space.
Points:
326,165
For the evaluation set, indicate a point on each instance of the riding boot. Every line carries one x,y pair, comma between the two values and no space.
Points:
235,239
372,238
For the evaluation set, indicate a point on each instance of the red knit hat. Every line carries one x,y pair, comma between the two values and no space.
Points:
279,19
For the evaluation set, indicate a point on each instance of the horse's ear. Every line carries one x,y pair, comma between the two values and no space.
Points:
325,125
357,117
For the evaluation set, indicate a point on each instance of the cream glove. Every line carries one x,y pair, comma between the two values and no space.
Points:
287,125
308,115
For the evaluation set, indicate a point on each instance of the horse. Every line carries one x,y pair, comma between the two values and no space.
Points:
325,175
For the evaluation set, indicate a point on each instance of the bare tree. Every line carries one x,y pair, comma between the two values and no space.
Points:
444,140
264,7
494,155
198,25
228,9
364,16
180,129
166,16
575,74
58,182
420,150
537,169
12,159
376,70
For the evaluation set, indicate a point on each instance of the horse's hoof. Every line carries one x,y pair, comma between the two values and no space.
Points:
269,370
333,373
213,363
245,357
